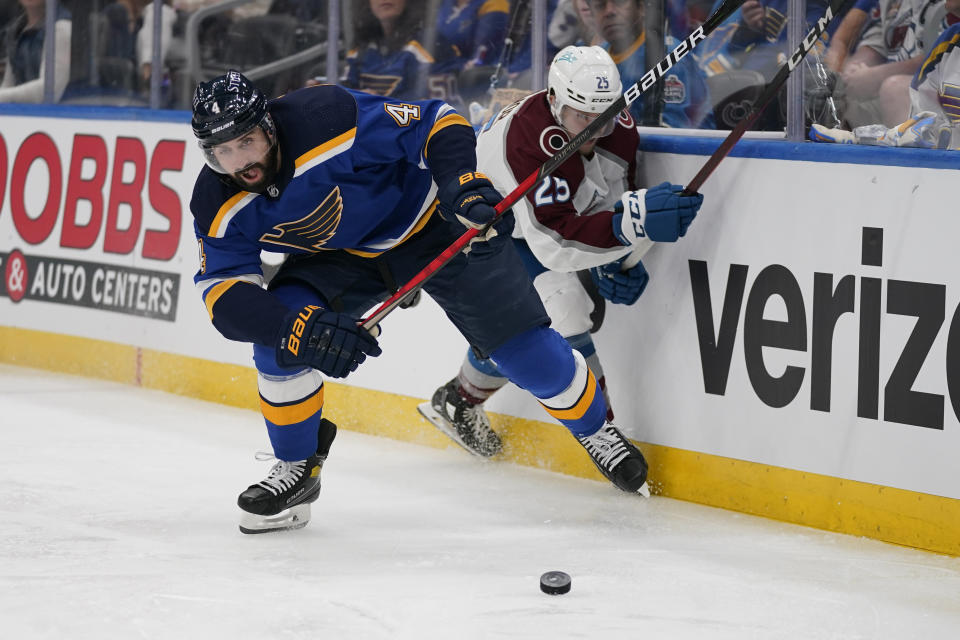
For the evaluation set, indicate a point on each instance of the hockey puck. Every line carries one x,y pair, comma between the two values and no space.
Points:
555,583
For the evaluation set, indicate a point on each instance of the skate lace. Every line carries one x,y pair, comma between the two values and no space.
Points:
283,475
473,418
606,447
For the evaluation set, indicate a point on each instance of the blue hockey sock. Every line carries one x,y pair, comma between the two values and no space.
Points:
544,364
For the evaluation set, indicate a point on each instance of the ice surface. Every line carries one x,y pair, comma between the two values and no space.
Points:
118,520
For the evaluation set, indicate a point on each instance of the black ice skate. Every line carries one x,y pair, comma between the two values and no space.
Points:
467,424
282,500
618,459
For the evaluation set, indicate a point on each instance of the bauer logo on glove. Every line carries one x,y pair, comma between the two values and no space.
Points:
470,198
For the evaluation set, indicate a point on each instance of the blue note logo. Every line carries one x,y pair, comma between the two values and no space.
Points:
313,230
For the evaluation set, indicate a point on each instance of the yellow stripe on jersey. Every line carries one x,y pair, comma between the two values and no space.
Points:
421,223
325,151
215,292
620,57
227,211
935,56
579,409
494,5
443,123
293,413
421,54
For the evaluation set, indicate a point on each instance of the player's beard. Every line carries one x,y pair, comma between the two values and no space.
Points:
267,170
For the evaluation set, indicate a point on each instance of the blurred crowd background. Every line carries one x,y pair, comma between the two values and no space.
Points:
473,52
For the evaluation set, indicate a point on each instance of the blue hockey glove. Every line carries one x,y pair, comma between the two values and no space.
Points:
620,287
662,215
332,343
470,198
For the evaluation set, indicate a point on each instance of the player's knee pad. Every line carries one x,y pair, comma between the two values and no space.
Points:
567,303
581,405
538,360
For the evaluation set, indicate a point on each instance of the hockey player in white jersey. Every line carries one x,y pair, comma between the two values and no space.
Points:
571,222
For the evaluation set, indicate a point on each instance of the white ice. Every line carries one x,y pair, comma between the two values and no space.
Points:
118,520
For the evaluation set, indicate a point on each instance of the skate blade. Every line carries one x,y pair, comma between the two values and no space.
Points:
433,417
295,517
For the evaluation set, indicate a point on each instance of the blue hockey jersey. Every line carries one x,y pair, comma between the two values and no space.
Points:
476,30
358,173
388,73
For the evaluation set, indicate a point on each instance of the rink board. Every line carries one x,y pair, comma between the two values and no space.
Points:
793,356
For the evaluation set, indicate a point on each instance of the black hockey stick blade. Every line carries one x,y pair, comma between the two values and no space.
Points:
633,92
769,93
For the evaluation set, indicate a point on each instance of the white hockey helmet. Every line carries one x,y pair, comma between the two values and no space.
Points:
585,79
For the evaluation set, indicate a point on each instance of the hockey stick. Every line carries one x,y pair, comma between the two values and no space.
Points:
771,90
518,20
769,93
632,93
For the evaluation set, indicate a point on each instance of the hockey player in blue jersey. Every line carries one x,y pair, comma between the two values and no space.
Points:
363,191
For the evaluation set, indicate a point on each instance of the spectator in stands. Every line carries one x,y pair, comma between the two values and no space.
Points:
848,33
168,18
877,76
304,10
760,40
9,10
686,100
519,66
933,95
130,36
573,24
388,58
474,28
23,76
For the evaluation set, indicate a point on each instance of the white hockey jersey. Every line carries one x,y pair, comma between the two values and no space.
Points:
567,218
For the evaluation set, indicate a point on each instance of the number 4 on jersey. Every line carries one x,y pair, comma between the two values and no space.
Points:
404,114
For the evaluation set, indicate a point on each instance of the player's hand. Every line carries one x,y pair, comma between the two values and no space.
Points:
470,198
332,343
752,12
620,287
662,213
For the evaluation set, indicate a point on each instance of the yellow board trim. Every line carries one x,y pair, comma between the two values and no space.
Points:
907,518
294,413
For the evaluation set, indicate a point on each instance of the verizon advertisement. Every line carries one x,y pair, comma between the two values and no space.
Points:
809,320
